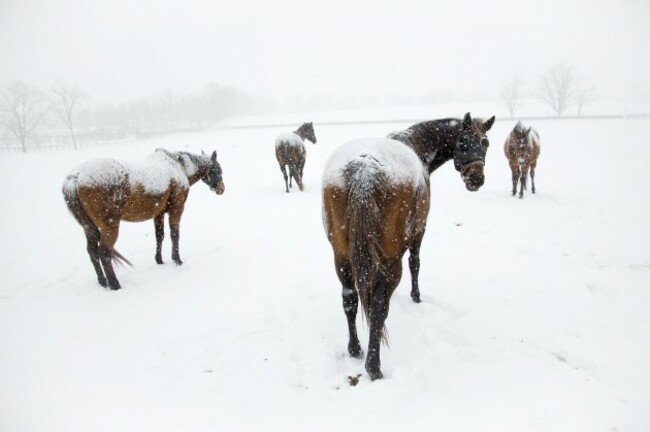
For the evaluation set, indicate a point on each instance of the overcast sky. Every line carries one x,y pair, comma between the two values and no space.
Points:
120,49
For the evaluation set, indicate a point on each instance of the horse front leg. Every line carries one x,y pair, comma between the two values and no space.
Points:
532,178
414,267
524,178
515,179
174,229
159,225
350,304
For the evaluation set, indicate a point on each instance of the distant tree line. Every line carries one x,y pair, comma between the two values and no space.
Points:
559,87
64,111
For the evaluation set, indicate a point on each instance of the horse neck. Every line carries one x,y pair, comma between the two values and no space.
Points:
194,166
433,142
300,133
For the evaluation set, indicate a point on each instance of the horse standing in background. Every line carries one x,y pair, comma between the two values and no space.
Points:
290,152
375,207
522,150
102,192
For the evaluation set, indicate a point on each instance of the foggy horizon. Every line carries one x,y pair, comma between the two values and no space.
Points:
117,51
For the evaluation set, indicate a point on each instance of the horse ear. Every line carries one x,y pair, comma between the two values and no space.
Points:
529,129
467,121
488,124
214,156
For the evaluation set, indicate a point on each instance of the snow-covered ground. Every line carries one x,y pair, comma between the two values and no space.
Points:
534,314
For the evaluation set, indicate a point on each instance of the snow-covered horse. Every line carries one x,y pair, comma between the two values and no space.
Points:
375,207
290,152
102,192
522,150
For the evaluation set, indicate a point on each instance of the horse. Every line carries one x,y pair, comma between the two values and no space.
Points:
102,192
522,149
375,206
290,152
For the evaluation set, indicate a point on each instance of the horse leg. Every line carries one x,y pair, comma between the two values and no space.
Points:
294,172
414,266
350,304
284,174
515,179
378,313
524,177
92,246
174,228
159,225
532,178
106,243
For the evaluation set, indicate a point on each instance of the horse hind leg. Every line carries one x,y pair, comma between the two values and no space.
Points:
92,246
350,304
294,172
106,243
385,285
284,174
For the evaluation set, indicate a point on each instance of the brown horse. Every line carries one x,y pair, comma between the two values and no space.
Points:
375,207
102,192
522,150
290,152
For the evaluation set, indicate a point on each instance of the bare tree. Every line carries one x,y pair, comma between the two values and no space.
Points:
556,87
63,99
584,94
511,94
22,110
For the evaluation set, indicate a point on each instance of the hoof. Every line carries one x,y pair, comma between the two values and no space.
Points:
159,260
355,352
178,261
375,375
102,282
114,287
416,298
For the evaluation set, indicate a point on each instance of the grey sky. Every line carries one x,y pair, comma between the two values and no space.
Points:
124,48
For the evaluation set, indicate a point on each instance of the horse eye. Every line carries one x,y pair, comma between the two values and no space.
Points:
484,142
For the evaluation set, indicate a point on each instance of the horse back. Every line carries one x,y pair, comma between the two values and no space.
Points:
396,208
111,191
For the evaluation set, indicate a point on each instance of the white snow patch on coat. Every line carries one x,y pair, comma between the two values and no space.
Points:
399,162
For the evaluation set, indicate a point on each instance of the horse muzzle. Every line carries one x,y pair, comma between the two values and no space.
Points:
473,176
220,188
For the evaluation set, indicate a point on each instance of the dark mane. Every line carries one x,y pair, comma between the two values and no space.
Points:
433,141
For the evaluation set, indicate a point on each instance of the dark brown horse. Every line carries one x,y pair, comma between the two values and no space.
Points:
522,150
102,192
290,152
375,207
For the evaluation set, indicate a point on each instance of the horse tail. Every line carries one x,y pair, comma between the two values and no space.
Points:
366,185
71,197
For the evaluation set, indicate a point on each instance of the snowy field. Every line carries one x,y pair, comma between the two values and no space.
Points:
534,315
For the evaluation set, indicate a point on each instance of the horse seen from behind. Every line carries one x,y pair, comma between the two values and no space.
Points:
375,207
102,192
291,153
522,149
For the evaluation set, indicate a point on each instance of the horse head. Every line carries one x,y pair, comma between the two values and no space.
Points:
519,136
214,176
308,133
470,149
